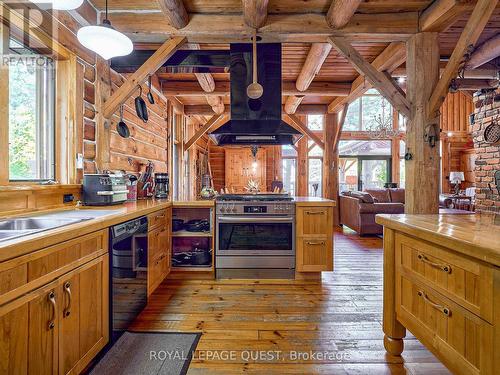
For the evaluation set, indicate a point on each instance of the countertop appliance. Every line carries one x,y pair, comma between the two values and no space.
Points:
255,236
161,185
104,189
128,273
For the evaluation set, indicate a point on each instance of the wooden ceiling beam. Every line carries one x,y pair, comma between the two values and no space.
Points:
314,61
440,14
222,88
255,12
340,12
175,12
462,84
386,86
471,32
223,28
216,103
206,110
484,53
139,76
295,122
204,129
390,58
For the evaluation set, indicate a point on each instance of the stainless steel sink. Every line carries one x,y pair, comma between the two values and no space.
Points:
14,228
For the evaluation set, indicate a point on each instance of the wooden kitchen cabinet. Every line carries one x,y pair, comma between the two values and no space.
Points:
48,332
314,238
56,318
159,248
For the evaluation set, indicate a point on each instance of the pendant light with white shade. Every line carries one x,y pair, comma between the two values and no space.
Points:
105,40
59,4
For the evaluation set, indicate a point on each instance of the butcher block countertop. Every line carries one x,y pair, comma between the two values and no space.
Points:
313,201
477,236
128,211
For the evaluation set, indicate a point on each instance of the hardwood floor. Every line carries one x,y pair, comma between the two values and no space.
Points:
340,318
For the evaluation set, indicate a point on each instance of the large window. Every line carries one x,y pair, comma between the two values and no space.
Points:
31,115
362,112
315,122
289,163
315,169
402,151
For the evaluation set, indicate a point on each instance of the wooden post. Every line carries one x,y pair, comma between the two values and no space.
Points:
422,171
4,105
330,165
302,167
103,124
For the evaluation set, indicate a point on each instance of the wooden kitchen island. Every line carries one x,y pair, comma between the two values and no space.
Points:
442,282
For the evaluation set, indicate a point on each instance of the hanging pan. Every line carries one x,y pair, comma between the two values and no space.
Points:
140,107
151,99
122,127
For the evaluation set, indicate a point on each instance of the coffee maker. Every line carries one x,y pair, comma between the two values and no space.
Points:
161,185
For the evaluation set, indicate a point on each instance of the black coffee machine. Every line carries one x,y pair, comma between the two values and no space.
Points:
161,185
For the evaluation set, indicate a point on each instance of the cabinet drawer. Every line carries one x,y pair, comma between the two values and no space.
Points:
314,255
314,221
22,274
157,218
461,339
464,281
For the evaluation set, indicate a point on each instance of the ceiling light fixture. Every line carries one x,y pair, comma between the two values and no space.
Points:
58,4
105,40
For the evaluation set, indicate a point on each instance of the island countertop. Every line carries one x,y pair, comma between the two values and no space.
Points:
477,235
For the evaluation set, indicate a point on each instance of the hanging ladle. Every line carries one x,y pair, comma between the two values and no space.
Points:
254,90
122,128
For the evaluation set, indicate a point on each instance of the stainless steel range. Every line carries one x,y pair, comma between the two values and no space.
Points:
255,236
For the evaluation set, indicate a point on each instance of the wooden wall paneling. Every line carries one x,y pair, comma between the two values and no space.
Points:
455,113
238,168
445,165
79,116
4,106
423,171
274,167
395,142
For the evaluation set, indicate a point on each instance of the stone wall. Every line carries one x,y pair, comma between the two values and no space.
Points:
487,110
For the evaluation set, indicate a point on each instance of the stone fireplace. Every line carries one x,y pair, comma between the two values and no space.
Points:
487,110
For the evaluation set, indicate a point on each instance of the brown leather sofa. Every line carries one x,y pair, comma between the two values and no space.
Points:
358,208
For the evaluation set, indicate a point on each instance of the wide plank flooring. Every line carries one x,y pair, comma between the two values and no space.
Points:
273,327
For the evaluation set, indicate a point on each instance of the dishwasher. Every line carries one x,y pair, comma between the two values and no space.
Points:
128,273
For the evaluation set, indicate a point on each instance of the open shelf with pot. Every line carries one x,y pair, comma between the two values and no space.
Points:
192,239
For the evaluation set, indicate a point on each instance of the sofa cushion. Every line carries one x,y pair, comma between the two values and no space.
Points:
381,195
362,196
397,195
381,208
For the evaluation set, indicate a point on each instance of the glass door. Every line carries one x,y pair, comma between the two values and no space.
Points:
373,173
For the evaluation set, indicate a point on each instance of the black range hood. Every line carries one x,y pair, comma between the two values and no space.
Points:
255,121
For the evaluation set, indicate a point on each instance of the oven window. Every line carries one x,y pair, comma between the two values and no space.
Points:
255,236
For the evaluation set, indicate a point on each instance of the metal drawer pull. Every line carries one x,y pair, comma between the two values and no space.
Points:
160,216
446,311
443,267
52,299
315,243
315,212
67,310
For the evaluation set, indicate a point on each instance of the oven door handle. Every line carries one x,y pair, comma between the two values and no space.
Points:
260,219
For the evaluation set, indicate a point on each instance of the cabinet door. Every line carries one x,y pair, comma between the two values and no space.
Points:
313,221
314,255
28,333
83,312
153,255
164,243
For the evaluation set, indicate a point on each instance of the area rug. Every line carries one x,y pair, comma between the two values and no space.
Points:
148,353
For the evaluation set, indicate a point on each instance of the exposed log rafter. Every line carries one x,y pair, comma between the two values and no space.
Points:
390,58
205,128
255,12
440,14
314,61
484,53
139,76
175,12
340,12
384,84
471,32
